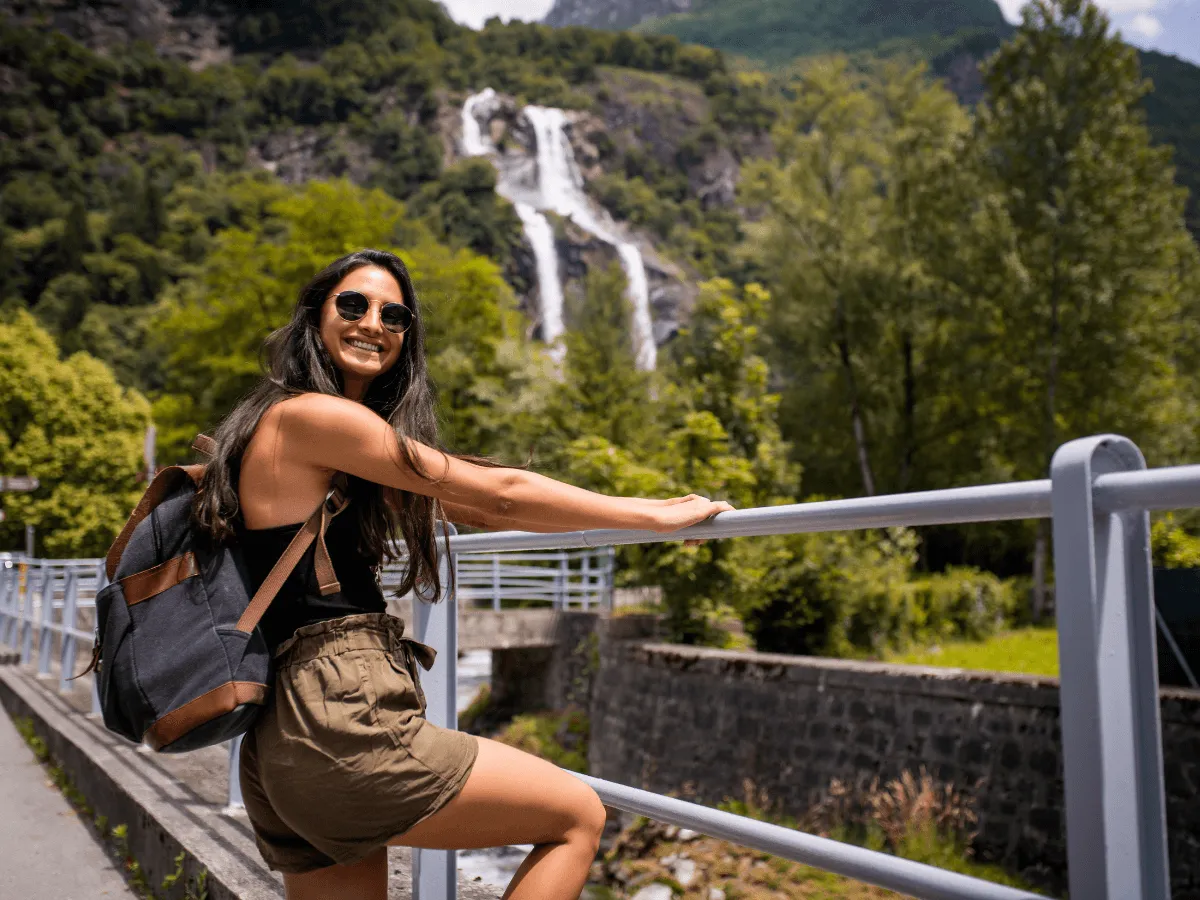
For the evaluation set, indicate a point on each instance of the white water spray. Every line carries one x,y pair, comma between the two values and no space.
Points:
537,227
560,189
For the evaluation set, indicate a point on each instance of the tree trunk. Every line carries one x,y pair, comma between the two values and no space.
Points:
856,416
909,450
1040,547
1041,544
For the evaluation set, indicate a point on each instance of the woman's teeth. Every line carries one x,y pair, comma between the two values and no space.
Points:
364,346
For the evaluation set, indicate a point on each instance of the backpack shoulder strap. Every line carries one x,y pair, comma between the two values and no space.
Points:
165,482
313,529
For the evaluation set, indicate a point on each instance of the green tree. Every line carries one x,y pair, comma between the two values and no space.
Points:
872,211
602,393
1098,237
211,326
724,443
73,427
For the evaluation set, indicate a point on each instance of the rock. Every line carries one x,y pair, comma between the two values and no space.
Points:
685,872
612,14
715,893
686,834
654,892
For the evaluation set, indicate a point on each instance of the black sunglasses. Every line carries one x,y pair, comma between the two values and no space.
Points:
352,306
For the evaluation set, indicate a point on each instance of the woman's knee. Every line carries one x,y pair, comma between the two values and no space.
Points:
590,816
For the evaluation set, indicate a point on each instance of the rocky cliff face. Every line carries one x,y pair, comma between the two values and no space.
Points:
612,14
509,131
105,25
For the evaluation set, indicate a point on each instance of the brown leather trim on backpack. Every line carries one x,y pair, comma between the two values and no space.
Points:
313,529
147,584
204,708
164,483
205,445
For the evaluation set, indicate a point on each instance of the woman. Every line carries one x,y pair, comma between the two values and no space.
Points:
342,762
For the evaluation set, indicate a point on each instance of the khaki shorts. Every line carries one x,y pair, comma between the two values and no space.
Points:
343,760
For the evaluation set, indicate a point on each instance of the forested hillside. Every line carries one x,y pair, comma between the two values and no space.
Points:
954,36
863,284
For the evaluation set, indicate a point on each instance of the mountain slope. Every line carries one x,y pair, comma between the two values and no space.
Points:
776,31
953,35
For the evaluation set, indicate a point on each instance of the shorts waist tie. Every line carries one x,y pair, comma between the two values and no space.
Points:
415,652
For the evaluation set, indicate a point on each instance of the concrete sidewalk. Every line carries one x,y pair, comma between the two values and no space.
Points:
46,851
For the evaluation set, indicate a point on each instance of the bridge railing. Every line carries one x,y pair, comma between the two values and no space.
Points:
1098,497
564,579
48,611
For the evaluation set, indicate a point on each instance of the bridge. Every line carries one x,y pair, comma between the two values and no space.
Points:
1098,498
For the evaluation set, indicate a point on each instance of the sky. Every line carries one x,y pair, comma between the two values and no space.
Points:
1169,26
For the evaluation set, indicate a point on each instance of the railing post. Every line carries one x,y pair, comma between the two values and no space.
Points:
610,572
8,580
1111,735
563,601
27,616
235,782
101,581
585,578
66,657
435,871
496,582
46,635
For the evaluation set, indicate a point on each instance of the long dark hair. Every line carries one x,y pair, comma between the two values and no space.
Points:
297,362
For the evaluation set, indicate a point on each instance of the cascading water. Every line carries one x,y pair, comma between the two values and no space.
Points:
560,189
537,227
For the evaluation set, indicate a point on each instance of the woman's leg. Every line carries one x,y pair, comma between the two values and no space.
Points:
512,797
365,880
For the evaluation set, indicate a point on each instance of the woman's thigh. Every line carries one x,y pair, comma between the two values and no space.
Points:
511,797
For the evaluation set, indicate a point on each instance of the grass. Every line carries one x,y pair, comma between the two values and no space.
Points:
1027,651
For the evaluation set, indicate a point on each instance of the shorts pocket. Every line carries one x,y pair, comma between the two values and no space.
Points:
394,696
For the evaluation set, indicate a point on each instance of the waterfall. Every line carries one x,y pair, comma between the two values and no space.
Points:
537,226
473,141
560,189
541,236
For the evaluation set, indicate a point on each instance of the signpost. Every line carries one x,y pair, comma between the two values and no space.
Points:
18,483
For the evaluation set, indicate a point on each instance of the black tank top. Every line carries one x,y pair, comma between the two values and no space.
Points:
299,601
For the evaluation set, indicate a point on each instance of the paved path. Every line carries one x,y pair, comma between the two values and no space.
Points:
46,852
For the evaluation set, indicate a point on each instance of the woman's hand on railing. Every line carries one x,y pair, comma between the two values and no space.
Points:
681,512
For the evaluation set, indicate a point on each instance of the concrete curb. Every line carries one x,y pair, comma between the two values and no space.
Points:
164,815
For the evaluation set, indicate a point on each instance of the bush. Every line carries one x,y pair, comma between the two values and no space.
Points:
1172,547
852,594
560,737
961,602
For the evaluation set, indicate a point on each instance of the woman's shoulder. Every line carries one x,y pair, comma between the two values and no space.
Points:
314,408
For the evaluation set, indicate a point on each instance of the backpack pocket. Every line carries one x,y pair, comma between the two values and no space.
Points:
123,703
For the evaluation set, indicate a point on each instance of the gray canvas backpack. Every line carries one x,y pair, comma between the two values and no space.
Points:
180,660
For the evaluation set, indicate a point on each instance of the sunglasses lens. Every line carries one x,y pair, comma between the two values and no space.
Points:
396,317
351,305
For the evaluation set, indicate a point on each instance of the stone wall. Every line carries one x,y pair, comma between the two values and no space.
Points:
699,721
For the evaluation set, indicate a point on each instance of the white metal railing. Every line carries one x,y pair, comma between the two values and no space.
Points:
46,598
1098,497
564,579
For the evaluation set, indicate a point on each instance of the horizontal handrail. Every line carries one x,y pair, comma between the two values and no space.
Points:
890,872
1175,487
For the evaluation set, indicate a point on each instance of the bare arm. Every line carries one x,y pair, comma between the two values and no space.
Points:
337,434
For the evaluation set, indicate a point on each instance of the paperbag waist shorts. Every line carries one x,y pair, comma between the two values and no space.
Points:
343,759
